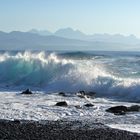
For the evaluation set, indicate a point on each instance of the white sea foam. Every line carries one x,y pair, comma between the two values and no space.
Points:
128,127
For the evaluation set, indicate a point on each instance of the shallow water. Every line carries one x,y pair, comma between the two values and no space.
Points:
41,106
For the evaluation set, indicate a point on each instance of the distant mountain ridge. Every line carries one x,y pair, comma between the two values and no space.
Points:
70,33
41,32
45,40
76,34
26,40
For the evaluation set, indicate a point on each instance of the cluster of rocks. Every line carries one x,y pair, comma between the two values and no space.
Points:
83,94
65,104
116,110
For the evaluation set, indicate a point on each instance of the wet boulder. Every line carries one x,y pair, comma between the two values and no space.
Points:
27,91
89,105
134,108
63,103
62,94
83,94
121,110
118,110
78,107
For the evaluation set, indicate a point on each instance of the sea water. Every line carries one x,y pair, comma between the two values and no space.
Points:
114,76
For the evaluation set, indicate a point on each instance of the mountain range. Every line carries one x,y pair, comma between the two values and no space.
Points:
66,39
76,34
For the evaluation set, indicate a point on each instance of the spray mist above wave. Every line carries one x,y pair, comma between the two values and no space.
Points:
40,68
49,72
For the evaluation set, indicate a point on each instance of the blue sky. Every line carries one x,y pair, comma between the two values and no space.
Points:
89,16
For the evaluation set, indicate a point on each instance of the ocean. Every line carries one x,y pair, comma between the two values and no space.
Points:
113,76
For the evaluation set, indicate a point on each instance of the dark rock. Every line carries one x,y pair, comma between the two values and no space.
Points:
83,94
27,91
61,104
134,108
78,107
122,110
62,94
118,110
89,105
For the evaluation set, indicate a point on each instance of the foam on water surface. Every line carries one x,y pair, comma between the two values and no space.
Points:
128,127
41,106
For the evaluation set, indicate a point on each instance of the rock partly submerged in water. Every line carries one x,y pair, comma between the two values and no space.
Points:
63,103
27,92
89,105
85,105
117,110
83,94
78,107
122,110
134,108
62,94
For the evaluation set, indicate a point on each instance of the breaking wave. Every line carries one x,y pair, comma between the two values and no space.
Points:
53,72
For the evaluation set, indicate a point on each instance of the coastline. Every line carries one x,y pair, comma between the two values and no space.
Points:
69,130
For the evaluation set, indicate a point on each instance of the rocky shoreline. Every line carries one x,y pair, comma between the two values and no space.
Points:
65,128
61,130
